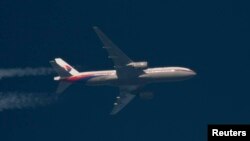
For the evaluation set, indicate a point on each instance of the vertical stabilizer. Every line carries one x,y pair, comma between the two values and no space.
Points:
64,70
63,85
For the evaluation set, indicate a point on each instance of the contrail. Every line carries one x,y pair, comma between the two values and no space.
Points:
16,100
19,72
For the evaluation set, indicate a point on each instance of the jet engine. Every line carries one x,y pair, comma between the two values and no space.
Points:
146,95
139,65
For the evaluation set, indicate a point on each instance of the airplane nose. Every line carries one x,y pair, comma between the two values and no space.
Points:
193,73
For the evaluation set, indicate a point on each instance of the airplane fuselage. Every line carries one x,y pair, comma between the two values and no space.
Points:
150,75
129,76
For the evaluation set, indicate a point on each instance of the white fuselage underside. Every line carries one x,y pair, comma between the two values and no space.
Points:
150,75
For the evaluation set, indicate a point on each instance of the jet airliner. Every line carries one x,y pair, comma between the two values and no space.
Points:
128,76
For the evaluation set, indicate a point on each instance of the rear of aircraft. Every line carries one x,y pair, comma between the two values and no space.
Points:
64,70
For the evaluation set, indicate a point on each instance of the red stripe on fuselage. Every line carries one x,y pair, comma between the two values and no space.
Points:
79,77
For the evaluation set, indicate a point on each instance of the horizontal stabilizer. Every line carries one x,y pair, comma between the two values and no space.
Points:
62,86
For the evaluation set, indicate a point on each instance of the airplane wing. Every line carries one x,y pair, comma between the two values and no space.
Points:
123,71
122,100
120,59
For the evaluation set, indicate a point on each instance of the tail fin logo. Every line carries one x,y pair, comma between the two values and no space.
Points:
67,68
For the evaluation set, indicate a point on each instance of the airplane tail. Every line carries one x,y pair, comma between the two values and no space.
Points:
64,70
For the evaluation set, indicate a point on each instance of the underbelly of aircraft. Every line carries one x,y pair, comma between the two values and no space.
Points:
140,80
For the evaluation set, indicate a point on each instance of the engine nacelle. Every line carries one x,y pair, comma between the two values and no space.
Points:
139,65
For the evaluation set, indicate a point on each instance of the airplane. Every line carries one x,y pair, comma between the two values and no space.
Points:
129,76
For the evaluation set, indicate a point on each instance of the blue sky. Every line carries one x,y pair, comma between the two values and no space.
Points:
211,37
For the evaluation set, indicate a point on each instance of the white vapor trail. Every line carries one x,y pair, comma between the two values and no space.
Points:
19,72
16,100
